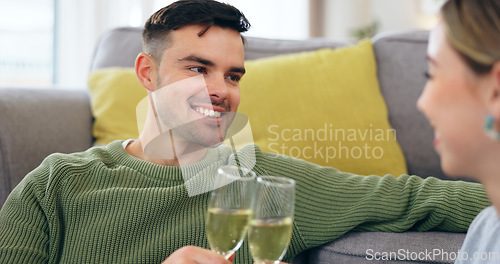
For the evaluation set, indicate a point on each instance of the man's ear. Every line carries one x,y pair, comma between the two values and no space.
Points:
145,71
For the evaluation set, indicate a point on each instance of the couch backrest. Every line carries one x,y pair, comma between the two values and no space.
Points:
35,123
401,65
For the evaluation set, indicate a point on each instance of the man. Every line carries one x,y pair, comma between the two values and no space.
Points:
130,202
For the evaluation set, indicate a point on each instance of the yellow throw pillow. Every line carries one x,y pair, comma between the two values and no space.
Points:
323,106
114,94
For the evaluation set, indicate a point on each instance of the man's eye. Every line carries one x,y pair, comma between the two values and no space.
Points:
199,69
234,78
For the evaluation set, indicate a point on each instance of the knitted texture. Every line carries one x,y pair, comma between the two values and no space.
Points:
106,206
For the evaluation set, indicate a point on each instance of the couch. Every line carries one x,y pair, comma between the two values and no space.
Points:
37,122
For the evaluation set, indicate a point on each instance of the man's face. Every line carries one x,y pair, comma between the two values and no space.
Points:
198,77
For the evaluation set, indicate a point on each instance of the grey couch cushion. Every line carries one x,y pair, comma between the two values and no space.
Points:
256,48
117,48
379,247
35,123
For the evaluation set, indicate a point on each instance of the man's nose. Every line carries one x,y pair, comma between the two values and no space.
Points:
217,88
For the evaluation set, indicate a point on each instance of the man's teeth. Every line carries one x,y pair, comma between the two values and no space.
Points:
207,112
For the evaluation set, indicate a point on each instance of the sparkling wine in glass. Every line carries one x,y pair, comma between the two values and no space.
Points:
270,229
230,209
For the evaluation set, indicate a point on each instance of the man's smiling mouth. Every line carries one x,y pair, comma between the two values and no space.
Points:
207,112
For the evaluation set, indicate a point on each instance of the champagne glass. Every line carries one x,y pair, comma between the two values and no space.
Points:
230,209
270,229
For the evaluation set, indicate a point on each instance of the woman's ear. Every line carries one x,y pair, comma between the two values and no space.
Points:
145,71
493,99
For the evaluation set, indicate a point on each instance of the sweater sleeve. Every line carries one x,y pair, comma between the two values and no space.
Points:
24,229
330,203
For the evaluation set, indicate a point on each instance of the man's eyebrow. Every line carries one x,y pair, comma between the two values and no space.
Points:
193,58
238,69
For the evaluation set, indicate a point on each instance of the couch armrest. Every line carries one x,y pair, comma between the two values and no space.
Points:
37,122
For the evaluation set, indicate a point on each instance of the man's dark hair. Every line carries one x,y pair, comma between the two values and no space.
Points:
155,36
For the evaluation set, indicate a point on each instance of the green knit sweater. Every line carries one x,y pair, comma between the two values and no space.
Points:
105,206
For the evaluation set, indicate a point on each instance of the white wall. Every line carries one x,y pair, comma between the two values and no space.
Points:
285,19
342,16
396,15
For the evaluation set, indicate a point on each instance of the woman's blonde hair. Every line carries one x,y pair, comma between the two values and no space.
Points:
473,30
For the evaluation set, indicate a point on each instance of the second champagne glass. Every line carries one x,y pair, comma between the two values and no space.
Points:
270,229
230,209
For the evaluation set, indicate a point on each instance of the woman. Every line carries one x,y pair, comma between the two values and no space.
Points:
462,102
